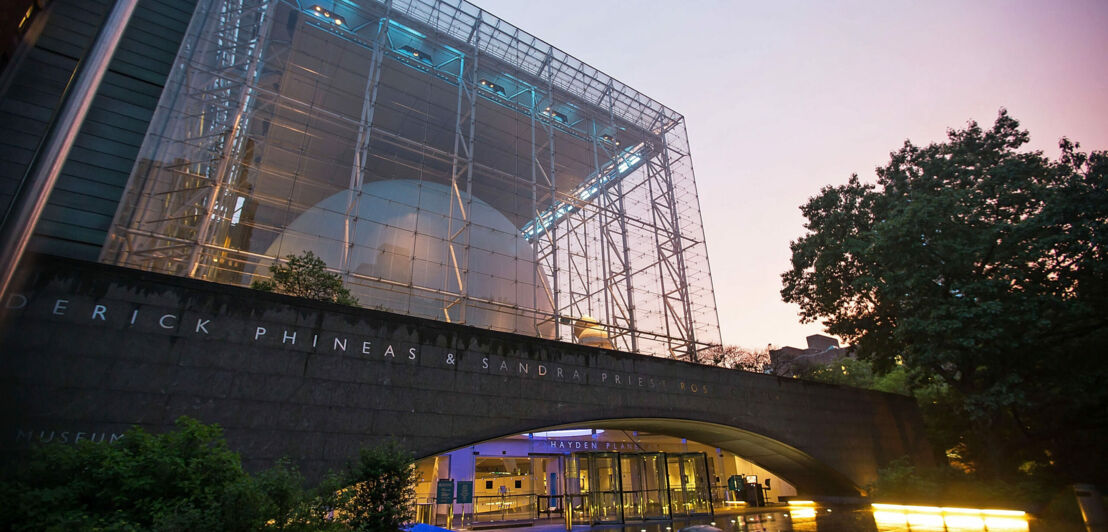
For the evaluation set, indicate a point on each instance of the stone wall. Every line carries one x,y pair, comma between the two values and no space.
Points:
90,350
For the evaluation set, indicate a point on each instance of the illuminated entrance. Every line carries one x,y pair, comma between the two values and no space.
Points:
597,476
619,487
601,487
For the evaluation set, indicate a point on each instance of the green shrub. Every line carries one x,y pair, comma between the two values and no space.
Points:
382,489
186,479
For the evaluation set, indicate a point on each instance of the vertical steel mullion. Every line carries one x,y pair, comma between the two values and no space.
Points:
552,180
586,220
536,274
602,229
449,304
365,133
471,87
541,248
661,255
462,163
233,137
624,236
679,250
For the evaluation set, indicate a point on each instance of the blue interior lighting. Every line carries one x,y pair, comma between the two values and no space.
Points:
324,14
555,115
407,29
418,54
492,87
616,169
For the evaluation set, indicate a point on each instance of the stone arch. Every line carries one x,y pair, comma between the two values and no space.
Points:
807,473
250,361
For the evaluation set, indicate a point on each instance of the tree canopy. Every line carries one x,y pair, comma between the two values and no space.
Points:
736,357
187,479
306,276
984,266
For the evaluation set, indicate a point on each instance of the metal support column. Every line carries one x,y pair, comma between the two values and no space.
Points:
29,204
365,131
233,138
681,341
458,219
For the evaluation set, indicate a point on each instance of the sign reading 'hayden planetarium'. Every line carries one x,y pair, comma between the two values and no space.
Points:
524,229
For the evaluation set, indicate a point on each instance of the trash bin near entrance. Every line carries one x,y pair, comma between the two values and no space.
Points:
752,494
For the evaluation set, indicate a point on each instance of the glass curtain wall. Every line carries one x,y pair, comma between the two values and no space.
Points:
516,488
444,163
620,487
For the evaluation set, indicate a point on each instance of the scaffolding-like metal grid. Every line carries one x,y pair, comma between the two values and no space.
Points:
446,163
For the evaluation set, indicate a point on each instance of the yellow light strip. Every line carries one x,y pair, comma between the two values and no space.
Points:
802,503
803,513
948,510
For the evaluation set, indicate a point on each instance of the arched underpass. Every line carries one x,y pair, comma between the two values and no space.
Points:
316,382
621,470
802,470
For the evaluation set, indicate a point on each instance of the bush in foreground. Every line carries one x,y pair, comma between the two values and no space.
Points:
188,479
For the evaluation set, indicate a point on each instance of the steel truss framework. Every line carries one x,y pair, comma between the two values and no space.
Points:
611,215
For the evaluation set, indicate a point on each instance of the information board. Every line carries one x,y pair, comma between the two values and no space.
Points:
465,492
445,492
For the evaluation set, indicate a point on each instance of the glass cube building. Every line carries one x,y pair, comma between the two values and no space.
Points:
445,163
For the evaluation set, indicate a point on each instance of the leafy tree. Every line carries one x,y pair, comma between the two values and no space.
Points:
186,479
290,507
306,276
383,489
848,371
984,267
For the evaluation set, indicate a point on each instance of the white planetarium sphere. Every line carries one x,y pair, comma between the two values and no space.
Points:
402,260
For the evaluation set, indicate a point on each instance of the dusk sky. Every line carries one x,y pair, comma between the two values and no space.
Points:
782,98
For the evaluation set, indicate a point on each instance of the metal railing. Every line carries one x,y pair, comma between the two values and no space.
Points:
585,508
488,508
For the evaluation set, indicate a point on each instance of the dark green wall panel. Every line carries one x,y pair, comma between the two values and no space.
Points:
79,213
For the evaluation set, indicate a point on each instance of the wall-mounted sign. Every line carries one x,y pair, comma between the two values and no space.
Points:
445,492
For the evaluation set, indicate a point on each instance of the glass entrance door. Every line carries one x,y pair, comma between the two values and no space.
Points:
548,485
619,487
643,486
503,489
598,488
689,489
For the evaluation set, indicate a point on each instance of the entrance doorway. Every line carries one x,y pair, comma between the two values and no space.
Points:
608,487
644,486
516,488
690,492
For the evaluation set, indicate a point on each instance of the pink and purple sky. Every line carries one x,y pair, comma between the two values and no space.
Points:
782,98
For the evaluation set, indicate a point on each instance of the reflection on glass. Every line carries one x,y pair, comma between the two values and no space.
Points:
690,491
600,477
643,486
277,134
503,489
